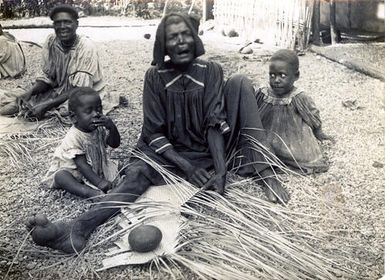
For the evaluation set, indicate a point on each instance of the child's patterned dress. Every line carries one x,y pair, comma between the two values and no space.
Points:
92,145
289,123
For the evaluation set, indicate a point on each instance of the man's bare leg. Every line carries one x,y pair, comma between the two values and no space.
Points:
72,237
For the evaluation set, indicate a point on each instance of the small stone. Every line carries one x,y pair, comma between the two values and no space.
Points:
246,50
377,164
31,266
147,36
123,101
338,274
230,32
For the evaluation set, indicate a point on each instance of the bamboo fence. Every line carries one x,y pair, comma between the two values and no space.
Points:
283,23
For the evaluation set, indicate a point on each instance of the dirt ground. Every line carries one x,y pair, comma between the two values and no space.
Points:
351,193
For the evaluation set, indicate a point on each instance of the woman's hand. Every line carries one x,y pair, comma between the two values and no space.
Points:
198,176
216,183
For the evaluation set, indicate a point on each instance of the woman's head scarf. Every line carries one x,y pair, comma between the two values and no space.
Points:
160,52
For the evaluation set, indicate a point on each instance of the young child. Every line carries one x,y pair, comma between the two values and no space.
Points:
81,157
292,121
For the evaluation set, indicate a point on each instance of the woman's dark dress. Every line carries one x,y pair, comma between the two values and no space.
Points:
179,108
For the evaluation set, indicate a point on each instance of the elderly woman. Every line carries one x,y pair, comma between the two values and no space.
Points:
187,127
69,60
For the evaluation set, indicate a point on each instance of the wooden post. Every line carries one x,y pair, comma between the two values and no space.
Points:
191,6
350,14
204,10
333,30
207,6
165,8
316,23
352,63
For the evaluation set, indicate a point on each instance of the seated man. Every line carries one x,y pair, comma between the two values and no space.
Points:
12,61
69,60
186,128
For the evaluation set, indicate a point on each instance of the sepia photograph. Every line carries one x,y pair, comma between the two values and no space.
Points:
192,139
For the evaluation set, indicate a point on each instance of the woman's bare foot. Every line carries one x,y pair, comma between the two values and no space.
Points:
61,236
275,192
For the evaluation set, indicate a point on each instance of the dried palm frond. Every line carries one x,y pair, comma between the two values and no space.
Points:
235,236
238,236
20,147
247,241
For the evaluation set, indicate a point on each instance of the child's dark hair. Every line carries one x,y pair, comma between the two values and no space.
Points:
287,56
75,94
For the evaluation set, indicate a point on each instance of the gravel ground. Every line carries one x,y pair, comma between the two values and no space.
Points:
349,197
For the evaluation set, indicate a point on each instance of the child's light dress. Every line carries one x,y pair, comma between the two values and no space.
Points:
92,145
289,123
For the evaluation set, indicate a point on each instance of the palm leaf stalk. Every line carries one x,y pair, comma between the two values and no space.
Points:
238,236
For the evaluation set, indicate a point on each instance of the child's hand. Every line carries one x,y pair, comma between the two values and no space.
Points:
104,185
104,121
113,138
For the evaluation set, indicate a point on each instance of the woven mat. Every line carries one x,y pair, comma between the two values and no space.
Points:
162,209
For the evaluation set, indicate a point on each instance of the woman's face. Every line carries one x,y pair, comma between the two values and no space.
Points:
180,45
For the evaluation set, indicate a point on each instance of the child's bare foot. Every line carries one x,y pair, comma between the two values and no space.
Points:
275,192
322,136
61,236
